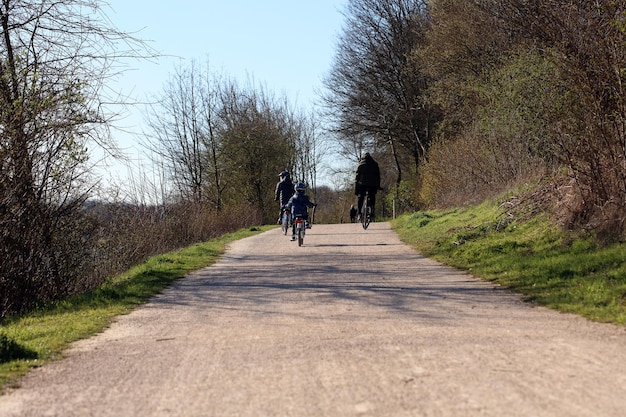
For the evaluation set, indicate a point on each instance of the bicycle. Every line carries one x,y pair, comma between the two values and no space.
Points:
285,220
300,229
366,211
300,225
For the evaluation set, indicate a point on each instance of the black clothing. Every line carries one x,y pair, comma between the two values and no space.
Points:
367,173
298,204
367,180
353,213
284,191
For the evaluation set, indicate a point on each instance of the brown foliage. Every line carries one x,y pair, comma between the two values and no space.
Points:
105,240
473,168
589,39
125,235
528,86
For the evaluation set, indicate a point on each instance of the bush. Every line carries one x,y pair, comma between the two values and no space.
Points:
404,197
103,240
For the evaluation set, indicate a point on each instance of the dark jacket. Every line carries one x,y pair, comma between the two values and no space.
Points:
367,175
284,191
298,204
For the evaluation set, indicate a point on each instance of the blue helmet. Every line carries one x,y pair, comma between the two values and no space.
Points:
300,187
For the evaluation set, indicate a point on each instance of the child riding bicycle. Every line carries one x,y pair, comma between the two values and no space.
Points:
298,205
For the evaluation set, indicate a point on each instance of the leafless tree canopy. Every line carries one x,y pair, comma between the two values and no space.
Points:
224,143
376,87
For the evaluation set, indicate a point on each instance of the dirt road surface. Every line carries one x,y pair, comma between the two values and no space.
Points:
354,323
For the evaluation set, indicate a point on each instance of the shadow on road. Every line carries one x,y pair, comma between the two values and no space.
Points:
387,283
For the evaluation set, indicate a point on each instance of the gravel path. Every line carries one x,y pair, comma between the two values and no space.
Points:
354,323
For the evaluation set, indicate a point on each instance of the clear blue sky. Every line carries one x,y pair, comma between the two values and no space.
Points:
284,45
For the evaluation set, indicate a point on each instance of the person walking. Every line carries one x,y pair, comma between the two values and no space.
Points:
367,181
353,213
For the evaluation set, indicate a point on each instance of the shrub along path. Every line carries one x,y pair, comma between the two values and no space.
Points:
352,323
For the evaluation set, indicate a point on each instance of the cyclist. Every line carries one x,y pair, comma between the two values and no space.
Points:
367,180
284,191
298,204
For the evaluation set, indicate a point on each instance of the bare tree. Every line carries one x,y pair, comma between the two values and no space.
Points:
376,86
183,138
56,57
310,150
224,143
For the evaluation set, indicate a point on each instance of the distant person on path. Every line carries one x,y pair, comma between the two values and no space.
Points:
353,213
284,191
367,180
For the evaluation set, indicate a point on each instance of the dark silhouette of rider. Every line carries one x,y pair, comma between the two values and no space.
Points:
284,191
367,180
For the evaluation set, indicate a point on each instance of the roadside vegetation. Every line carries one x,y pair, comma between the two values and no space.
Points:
562,269
40,336
459,101
464,101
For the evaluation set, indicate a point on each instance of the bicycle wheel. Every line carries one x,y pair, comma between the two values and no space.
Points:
285,224
366,212
368,217
300,237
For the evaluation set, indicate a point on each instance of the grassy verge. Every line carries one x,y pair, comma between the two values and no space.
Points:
549,266
39,337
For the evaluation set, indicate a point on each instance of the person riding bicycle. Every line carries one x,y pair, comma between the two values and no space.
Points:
298,204
367,180
284,191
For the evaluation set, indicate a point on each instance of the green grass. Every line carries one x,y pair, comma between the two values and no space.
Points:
41,336
549,266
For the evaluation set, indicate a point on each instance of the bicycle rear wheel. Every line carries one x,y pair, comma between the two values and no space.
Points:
366,212
368,217
285,224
